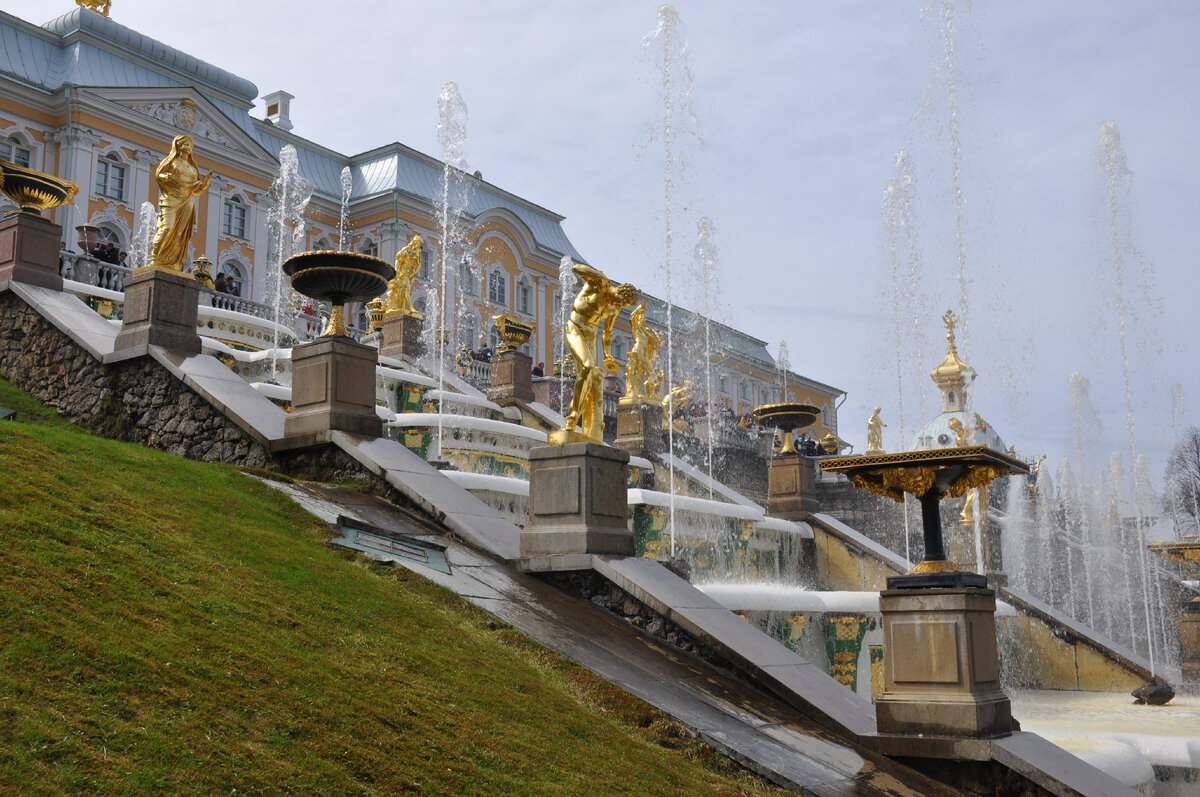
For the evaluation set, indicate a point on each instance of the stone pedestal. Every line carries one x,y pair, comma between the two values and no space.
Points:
333,388
29,251
941,666
160,310
1189,642
512,378
400,336
639,428
790,481
578,506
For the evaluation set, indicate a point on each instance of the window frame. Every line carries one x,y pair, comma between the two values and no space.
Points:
115,170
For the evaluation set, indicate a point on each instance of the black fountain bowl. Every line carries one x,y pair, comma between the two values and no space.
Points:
338,277
786,415
34,191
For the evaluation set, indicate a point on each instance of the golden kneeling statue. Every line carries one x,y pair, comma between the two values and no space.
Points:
179,182
399,293
962,435
598,303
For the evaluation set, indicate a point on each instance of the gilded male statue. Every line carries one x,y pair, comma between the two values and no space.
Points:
638,367
399,294
597,303
875,433
179,182
962,435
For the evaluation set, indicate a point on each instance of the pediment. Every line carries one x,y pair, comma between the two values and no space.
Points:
173,111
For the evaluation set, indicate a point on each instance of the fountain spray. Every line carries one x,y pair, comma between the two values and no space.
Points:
290,194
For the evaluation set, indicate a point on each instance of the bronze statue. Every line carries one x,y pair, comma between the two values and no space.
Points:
638,368
597,303
399,294
179,182
875,433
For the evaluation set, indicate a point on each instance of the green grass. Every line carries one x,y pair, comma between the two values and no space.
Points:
170,626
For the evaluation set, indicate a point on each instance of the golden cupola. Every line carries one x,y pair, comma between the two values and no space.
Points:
952,376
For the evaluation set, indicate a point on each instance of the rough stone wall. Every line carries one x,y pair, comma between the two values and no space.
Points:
136,400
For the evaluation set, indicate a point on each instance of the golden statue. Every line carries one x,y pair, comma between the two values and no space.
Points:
653,387
676,397
875,433
179,182
639,367
962,435
597,303
971,507
99,6
399,293
1037,471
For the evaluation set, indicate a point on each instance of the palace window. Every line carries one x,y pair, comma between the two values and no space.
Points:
496,286
525,298
234,274
426,257
13,150
369,247
466,279
235,217
110,177
724,384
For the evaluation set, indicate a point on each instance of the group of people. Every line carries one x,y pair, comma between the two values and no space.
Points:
223,284
108,253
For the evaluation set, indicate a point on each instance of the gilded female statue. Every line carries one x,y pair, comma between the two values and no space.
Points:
408,263
179,182
598,302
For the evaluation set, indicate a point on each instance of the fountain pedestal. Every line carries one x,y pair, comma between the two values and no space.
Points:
333,388
401,337
941,666
639,428
790,480
578,506
512,377
29,251
160,310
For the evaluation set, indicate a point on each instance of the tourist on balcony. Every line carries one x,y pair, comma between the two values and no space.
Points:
222,287
121,258
539,369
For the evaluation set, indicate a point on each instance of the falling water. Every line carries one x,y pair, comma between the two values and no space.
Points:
139,248
344,220
1116,190
290,194
452,135
566,298
706,261
677,116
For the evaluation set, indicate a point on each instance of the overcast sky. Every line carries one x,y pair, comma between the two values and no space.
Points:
802,108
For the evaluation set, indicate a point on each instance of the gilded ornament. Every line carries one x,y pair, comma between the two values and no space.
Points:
639,367
962,435
875,433
101,7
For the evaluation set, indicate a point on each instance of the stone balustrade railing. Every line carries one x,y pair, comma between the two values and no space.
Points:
107,279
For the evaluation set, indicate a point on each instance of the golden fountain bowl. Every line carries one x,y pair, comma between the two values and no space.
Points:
514,332
34,191
786,416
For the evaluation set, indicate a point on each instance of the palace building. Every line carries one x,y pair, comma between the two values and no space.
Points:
94,102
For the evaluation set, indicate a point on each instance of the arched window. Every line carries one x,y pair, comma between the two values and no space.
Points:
110,177
235,217
497,286
323,245
369,247
14,150
234,273
467,334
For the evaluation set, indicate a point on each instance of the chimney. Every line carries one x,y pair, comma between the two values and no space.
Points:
279,109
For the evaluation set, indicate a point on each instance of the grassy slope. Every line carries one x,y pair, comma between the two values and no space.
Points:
167,625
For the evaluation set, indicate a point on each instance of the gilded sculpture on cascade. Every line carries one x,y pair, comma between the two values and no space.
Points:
179,183
677,397
399,293
640,365
596,305
99,6
875,429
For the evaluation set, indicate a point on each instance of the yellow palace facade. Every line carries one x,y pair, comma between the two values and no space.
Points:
92,101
